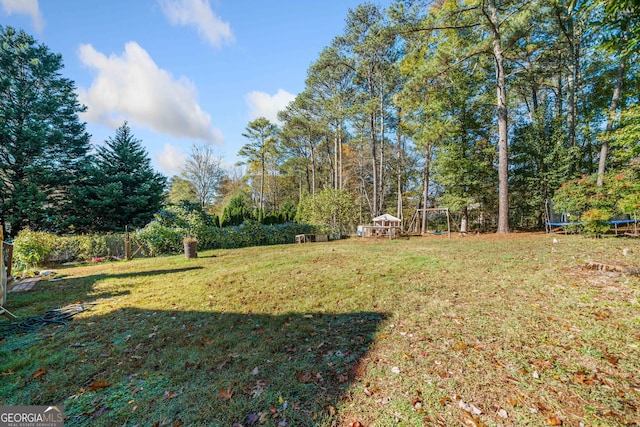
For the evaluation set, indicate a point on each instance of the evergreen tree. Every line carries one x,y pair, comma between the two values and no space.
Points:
261,134
43,144
123,189
235,212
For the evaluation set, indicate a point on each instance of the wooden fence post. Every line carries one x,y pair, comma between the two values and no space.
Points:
127,244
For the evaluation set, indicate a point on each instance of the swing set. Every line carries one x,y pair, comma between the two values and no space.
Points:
440,217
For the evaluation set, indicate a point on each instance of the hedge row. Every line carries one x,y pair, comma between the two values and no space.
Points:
163,239
33,248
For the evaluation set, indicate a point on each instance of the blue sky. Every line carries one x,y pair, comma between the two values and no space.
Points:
182,72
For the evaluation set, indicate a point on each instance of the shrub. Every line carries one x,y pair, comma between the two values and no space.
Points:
595,205
595,222
36,248
160,238
333,212
32,248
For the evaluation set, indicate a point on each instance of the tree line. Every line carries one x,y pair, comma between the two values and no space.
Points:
484,106
487,107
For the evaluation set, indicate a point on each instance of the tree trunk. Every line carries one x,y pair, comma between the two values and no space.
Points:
335,160
313,171
573,84
340,153
381,193
501,91
615,100
399,173
425,197
262,180
374,160
464,221
559,94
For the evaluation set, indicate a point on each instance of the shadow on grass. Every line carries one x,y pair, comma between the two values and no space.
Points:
135,274
47,294
135,366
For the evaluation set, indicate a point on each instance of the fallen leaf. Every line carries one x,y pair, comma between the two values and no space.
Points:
225,393
98,384
168,394
416,403
250,419
304,377
582,378
554,421
356,424
471,421
331,410
39,373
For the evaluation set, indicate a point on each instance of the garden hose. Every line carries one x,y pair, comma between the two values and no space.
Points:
58,316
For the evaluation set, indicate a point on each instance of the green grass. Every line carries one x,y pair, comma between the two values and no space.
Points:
403,332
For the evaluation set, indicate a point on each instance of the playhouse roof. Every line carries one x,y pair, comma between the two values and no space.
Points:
386,217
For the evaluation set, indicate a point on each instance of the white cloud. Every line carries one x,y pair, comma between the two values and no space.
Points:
261,104
29,7
132,87
198,13
171,159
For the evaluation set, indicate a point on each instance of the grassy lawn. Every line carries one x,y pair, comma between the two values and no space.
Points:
482,330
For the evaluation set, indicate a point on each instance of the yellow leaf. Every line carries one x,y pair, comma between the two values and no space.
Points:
554,421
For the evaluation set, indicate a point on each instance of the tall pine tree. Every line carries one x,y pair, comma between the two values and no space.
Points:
123,189
43,144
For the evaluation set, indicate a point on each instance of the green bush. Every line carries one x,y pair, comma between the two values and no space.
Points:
32,248
333,212
37,248
595,222
162,239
